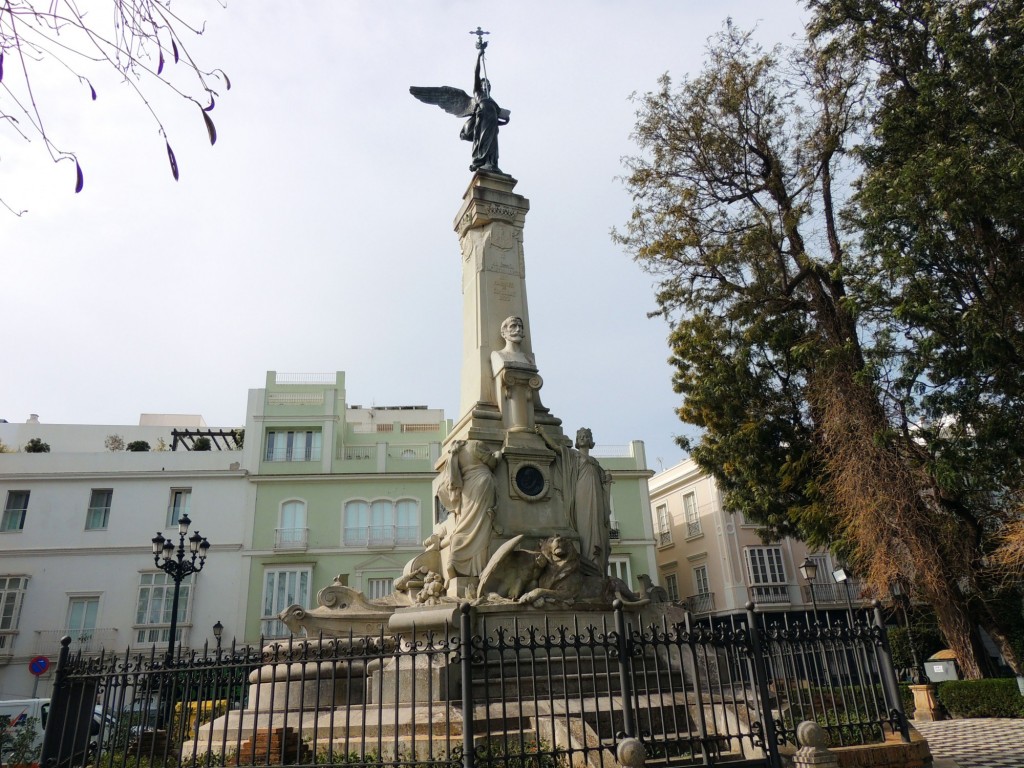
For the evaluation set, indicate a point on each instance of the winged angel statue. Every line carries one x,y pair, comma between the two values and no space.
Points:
483,112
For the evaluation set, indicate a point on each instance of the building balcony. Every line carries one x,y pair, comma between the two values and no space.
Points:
833,593
703,603
291,539
383,536
88,642
7,638
773,594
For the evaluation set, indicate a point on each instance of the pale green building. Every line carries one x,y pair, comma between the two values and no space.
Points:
339,489
345,490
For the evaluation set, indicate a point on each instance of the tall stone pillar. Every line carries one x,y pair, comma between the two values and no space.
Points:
490,229
500,403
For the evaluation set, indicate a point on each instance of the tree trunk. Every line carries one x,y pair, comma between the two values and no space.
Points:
881,501
1002,641
960,633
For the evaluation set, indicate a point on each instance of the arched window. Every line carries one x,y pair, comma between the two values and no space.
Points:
357,523
407,521
292,532
381,523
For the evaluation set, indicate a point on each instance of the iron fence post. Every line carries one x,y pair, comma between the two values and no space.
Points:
625,682
883,655
68,723
59,701
466,663
771,739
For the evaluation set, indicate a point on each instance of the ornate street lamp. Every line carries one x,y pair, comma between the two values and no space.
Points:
809,569
902,599
842,577
218,632
173,561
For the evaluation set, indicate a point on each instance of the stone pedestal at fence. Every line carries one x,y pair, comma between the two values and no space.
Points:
926,705
814,753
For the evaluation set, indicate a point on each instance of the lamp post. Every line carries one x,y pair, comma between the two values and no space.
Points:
902,599
842,577
218,632
172,561
809,569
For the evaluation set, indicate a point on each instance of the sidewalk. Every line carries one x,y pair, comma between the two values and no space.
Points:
975,743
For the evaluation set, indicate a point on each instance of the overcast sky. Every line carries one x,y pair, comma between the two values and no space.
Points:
317,234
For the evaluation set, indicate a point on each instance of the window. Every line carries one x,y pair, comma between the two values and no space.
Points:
378,588
767,575
181,503
292,532
153,610
98,516
664,525
692,515
672,587
12,593
282,588
700,580
82,613
14,511
702,601
382,523
764,564
824,573
440,512
293,445
618,568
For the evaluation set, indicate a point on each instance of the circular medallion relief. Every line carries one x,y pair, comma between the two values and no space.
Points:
529,480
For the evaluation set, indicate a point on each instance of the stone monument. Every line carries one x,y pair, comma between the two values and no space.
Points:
523,519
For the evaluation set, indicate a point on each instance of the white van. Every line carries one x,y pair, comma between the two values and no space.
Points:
24,713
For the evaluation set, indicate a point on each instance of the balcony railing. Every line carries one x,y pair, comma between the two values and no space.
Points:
773,594
693,529
291,538
665,537
408,452
833,593
360,452
7,638
383,536
703,603
88,641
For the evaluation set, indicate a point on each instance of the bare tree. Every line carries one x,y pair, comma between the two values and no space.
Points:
144,43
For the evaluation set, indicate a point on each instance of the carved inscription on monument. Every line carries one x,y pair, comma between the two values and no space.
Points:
496,211
504,290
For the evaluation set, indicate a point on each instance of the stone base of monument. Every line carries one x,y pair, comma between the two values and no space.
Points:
309,685
462,587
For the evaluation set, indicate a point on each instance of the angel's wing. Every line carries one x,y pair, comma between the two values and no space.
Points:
451,100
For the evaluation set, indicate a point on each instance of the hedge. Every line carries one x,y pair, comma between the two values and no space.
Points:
998,697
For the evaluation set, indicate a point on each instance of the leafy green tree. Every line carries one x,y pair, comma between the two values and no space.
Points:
36,445
940,207
738,192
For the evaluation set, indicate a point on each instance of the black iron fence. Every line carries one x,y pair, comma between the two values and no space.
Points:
727,691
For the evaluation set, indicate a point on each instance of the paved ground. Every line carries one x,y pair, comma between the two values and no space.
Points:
975,743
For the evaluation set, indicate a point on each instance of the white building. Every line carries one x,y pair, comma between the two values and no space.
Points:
76,542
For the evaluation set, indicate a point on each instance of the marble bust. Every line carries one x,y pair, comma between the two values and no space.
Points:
512,355
515,377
